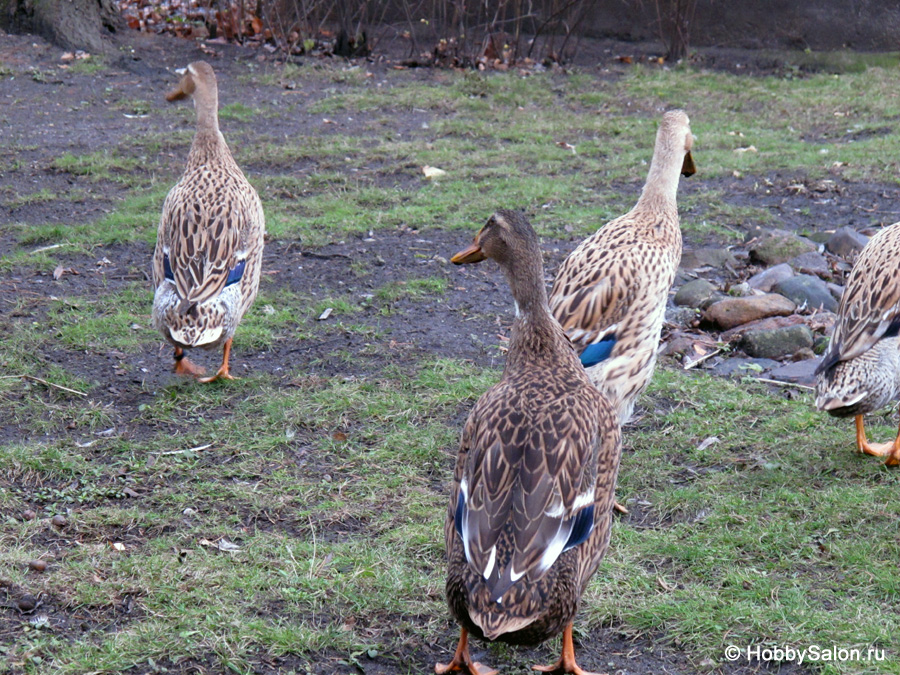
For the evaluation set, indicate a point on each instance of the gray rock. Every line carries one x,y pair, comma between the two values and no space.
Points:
778,246
846,242
776,343
694,293
681,316
836,291
737,366
761,324
799,372
741,290
819,236
811,262
732,312
707,257
769,277
811,291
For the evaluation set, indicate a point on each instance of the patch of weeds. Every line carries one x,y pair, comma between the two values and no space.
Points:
413,289
88,66
41,196
100,165
238,111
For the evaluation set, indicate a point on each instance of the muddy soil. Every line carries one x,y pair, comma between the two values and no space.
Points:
51,112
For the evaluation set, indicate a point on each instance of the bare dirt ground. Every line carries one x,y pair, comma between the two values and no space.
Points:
473,297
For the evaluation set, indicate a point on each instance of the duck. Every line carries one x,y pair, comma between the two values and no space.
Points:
531,499
209,245
860,370
610,293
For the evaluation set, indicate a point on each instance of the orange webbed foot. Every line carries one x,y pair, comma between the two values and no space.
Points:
222,373
566,664
184,366
462,662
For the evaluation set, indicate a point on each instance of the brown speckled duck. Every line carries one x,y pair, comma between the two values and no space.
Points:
209,245
610,293
860,371
532,493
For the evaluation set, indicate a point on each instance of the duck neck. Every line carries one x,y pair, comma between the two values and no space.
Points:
535,331
208,141
661,189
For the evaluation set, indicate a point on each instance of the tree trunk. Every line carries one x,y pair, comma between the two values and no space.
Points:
71,24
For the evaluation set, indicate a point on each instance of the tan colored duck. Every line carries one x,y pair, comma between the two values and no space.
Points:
860,371
610,293
532,493
209,246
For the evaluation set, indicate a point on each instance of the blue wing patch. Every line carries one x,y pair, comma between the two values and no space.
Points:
458,516
597,352
582,528
236,273
167,268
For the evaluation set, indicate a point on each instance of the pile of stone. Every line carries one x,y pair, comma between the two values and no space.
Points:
764,309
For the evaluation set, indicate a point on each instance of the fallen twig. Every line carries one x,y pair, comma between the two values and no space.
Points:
48,248
44,382
702,359
181,452
766,380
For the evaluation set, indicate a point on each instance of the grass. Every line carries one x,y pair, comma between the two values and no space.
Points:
295,515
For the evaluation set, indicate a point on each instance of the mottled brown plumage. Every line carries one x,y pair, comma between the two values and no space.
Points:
208,256
530,504
613,287
860,371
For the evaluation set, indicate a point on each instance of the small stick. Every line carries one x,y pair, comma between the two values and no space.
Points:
782,384
48,248
179,452
702,359
44,382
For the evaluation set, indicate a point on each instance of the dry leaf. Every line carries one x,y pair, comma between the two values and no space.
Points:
708,442
749,148
119,546
339,436
221,544
433,172
324,315
567,146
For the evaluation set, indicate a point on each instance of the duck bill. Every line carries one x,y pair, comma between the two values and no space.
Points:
473,254
688,168
177,94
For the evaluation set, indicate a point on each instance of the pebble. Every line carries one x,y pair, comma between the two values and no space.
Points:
694,293
846,242
812,262
809,291
777,343
59,520
28,514
799,372
732,312
778,246
738,366
38,565
707,257
769,277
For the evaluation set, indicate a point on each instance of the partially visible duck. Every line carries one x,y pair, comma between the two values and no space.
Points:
860,371
209,245
530,505
610,293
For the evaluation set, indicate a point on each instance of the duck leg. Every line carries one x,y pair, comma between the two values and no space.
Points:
222,373
183,365
618,507
462,662
892,450
566,664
